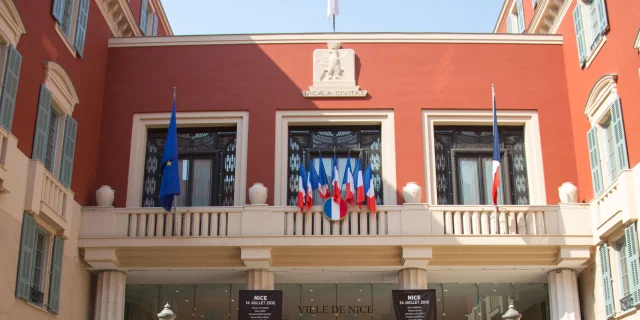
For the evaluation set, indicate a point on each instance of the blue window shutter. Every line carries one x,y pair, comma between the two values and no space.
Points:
521,26
509,24
633,264
10,87
26,262
622,160
58,10
605,268
601,7
143,17
81,26
53,305
66,170
154,30
42,125
579,27
594,158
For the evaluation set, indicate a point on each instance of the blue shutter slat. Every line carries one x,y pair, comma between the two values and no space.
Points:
620,143
41,135
603,22
53,305
10,87
68,151
143,17
633,264
58,10
521,26
607,289
26,262
81,26
594,158
580,40
154,30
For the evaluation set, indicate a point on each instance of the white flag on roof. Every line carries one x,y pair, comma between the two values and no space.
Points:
332,9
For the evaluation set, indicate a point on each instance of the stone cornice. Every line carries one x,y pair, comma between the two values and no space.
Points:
488,38
11,24
548,15
61,87
119,17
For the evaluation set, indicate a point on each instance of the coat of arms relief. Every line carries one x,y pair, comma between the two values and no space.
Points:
334,73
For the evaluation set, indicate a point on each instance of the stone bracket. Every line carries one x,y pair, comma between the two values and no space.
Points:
416,257
256,257
571,257
102,258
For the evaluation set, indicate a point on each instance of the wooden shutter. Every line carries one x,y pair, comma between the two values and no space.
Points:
601,8
143,17
509,24
605,268
633,265
594,158
42,125
58,10
81,26
10,87
521,26
580,40
26,262
56,275
620,143
154,30
69,147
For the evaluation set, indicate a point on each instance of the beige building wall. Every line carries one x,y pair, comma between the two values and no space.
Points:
76,291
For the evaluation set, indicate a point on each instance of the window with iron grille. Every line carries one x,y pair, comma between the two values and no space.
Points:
463,165
309,143
207,162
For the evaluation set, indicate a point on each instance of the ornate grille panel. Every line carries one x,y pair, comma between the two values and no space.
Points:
218,144
448,139
310,142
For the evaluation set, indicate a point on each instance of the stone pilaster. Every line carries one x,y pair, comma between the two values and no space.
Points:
260,279
110,295
564,295
412,278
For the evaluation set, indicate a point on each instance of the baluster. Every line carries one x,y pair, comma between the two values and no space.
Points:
540,223
512,223
457,222
475,222
484,222
317,223
204,222
298,222
522,225
372,223
345,223
493,222
326,224
213,224
364,226
186,224
159,224
531,222
195,225
466,223
336,227
308,223
151,224
133,225
142,225
502,222
448,223
382,222
289,225
178,224
169,221
223,224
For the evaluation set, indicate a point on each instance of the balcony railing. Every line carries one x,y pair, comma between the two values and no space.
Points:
413,219
626,303
36,296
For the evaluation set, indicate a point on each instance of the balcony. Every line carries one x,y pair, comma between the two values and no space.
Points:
617,205
8,152
47,198
408,235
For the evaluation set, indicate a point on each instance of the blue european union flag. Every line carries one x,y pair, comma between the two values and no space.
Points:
170,186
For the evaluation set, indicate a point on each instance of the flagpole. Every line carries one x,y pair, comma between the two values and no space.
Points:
334,23
494,107
175,200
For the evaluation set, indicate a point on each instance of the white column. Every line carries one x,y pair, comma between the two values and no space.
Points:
260,279
564,295
110,295
412,278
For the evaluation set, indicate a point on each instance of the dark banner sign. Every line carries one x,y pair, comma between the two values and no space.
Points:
260,305
415,304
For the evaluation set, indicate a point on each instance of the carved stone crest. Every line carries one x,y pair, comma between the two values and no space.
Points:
334,74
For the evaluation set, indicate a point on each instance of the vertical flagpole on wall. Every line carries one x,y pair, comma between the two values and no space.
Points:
334,23
175,200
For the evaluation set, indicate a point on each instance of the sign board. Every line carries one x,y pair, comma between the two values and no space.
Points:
260,305
415,304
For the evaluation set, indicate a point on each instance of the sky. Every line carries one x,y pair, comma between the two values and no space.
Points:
299,16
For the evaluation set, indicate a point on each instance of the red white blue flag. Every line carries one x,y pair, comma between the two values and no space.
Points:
359,183
335,183
323,184
496,152
312,184
369,192
302,182
335,210
347,181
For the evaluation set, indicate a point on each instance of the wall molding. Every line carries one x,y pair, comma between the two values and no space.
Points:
11,25
119,17
62,89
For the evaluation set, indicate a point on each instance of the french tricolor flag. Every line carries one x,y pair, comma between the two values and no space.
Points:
312,184
323,184
359,184
347,181
302,181
496,152
369,192
335,183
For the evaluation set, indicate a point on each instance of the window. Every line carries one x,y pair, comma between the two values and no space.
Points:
9,86
51,141
207,163
622,263
309,143
34,266
464,165
626,268
591,24
148,19
72,16
515,20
